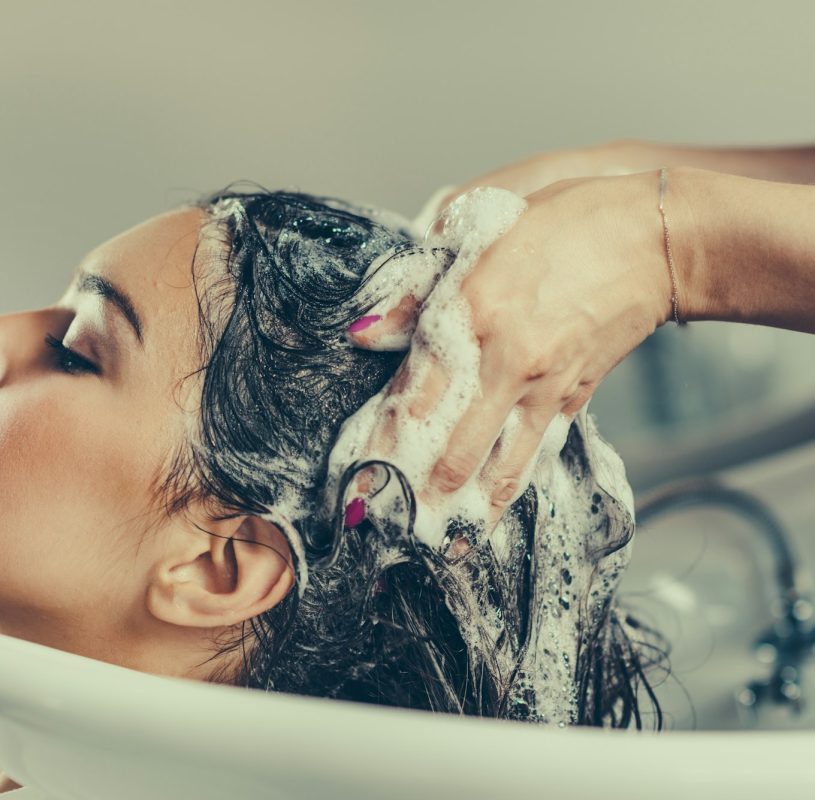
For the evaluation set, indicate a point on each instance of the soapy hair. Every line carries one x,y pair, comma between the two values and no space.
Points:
279,380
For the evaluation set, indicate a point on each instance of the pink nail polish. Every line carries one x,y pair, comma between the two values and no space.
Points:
354,512
363,322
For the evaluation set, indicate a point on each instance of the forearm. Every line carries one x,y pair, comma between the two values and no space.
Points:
744,248
787,164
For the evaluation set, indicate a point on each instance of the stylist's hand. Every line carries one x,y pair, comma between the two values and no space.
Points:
556,302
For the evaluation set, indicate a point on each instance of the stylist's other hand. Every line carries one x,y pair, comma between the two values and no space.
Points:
524,177
573,287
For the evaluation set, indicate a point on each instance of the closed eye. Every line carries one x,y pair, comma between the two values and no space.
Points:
69,361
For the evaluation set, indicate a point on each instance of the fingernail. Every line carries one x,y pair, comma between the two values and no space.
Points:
363,322
354,512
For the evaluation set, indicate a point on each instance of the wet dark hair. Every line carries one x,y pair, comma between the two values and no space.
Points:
278,382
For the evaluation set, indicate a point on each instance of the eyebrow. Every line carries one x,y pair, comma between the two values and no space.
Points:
96,284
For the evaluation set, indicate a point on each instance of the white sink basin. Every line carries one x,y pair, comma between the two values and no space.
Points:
78,729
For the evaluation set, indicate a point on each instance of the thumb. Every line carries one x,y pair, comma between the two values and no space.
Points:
406,279
431,210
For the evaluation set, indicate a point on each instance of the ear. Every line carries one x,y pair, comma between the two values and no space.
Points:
233,570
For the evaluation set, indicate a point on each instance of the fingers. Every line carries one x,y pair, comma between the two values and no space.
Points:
533,428
506,472
471,441
414,391
508,469
430,211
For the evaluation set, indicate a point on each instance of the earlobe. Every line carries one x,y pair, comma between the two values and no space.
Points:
234,571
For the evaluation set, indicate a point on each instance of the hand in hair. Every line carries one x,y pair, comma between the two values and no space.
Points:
555,302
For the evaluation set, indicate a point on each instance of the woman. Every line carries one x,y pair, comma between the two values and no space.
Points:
181,401
191,400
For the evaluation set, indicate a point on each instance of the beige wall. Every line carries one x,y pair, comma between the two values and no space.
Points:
113,111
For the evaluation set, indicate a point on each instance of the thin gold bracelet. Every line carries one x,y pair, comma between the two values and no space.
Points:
663,179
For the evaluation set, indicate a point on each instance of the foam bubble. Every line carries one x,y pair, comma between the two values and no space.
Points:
443,340
571,584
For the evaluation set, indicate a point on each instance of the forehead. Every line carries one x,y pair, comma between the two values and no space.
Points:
153,260
162,265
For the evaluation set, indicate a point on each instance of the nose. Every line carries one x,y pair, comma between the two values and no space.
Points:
21,339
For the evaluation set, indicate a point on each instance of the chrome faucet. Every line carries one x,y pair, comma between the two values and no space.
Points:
790,640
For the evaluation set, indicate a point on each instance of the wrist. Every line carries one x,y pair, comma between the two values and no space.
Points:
693,220
687,189
685,276
745,248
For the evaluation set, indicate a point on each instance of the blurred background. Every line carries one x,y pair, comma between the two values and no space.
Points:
111,112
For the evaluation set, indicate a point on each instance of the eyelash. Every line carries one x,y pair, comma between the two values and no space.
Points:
69,361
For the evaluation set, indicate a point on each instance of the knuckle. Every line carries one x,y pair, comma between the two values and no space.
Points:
579,387
459,547
569,392
486,324
537,421
538,364
418,408
400,378
588,385
487,310
503,492
452,472
578,398
527,353
479,291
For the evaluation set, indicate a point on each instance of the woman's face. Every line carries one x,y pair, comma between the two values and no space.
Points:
84,564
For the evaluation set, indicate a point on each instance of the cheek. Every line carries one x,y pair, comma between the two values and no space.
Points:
72,480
